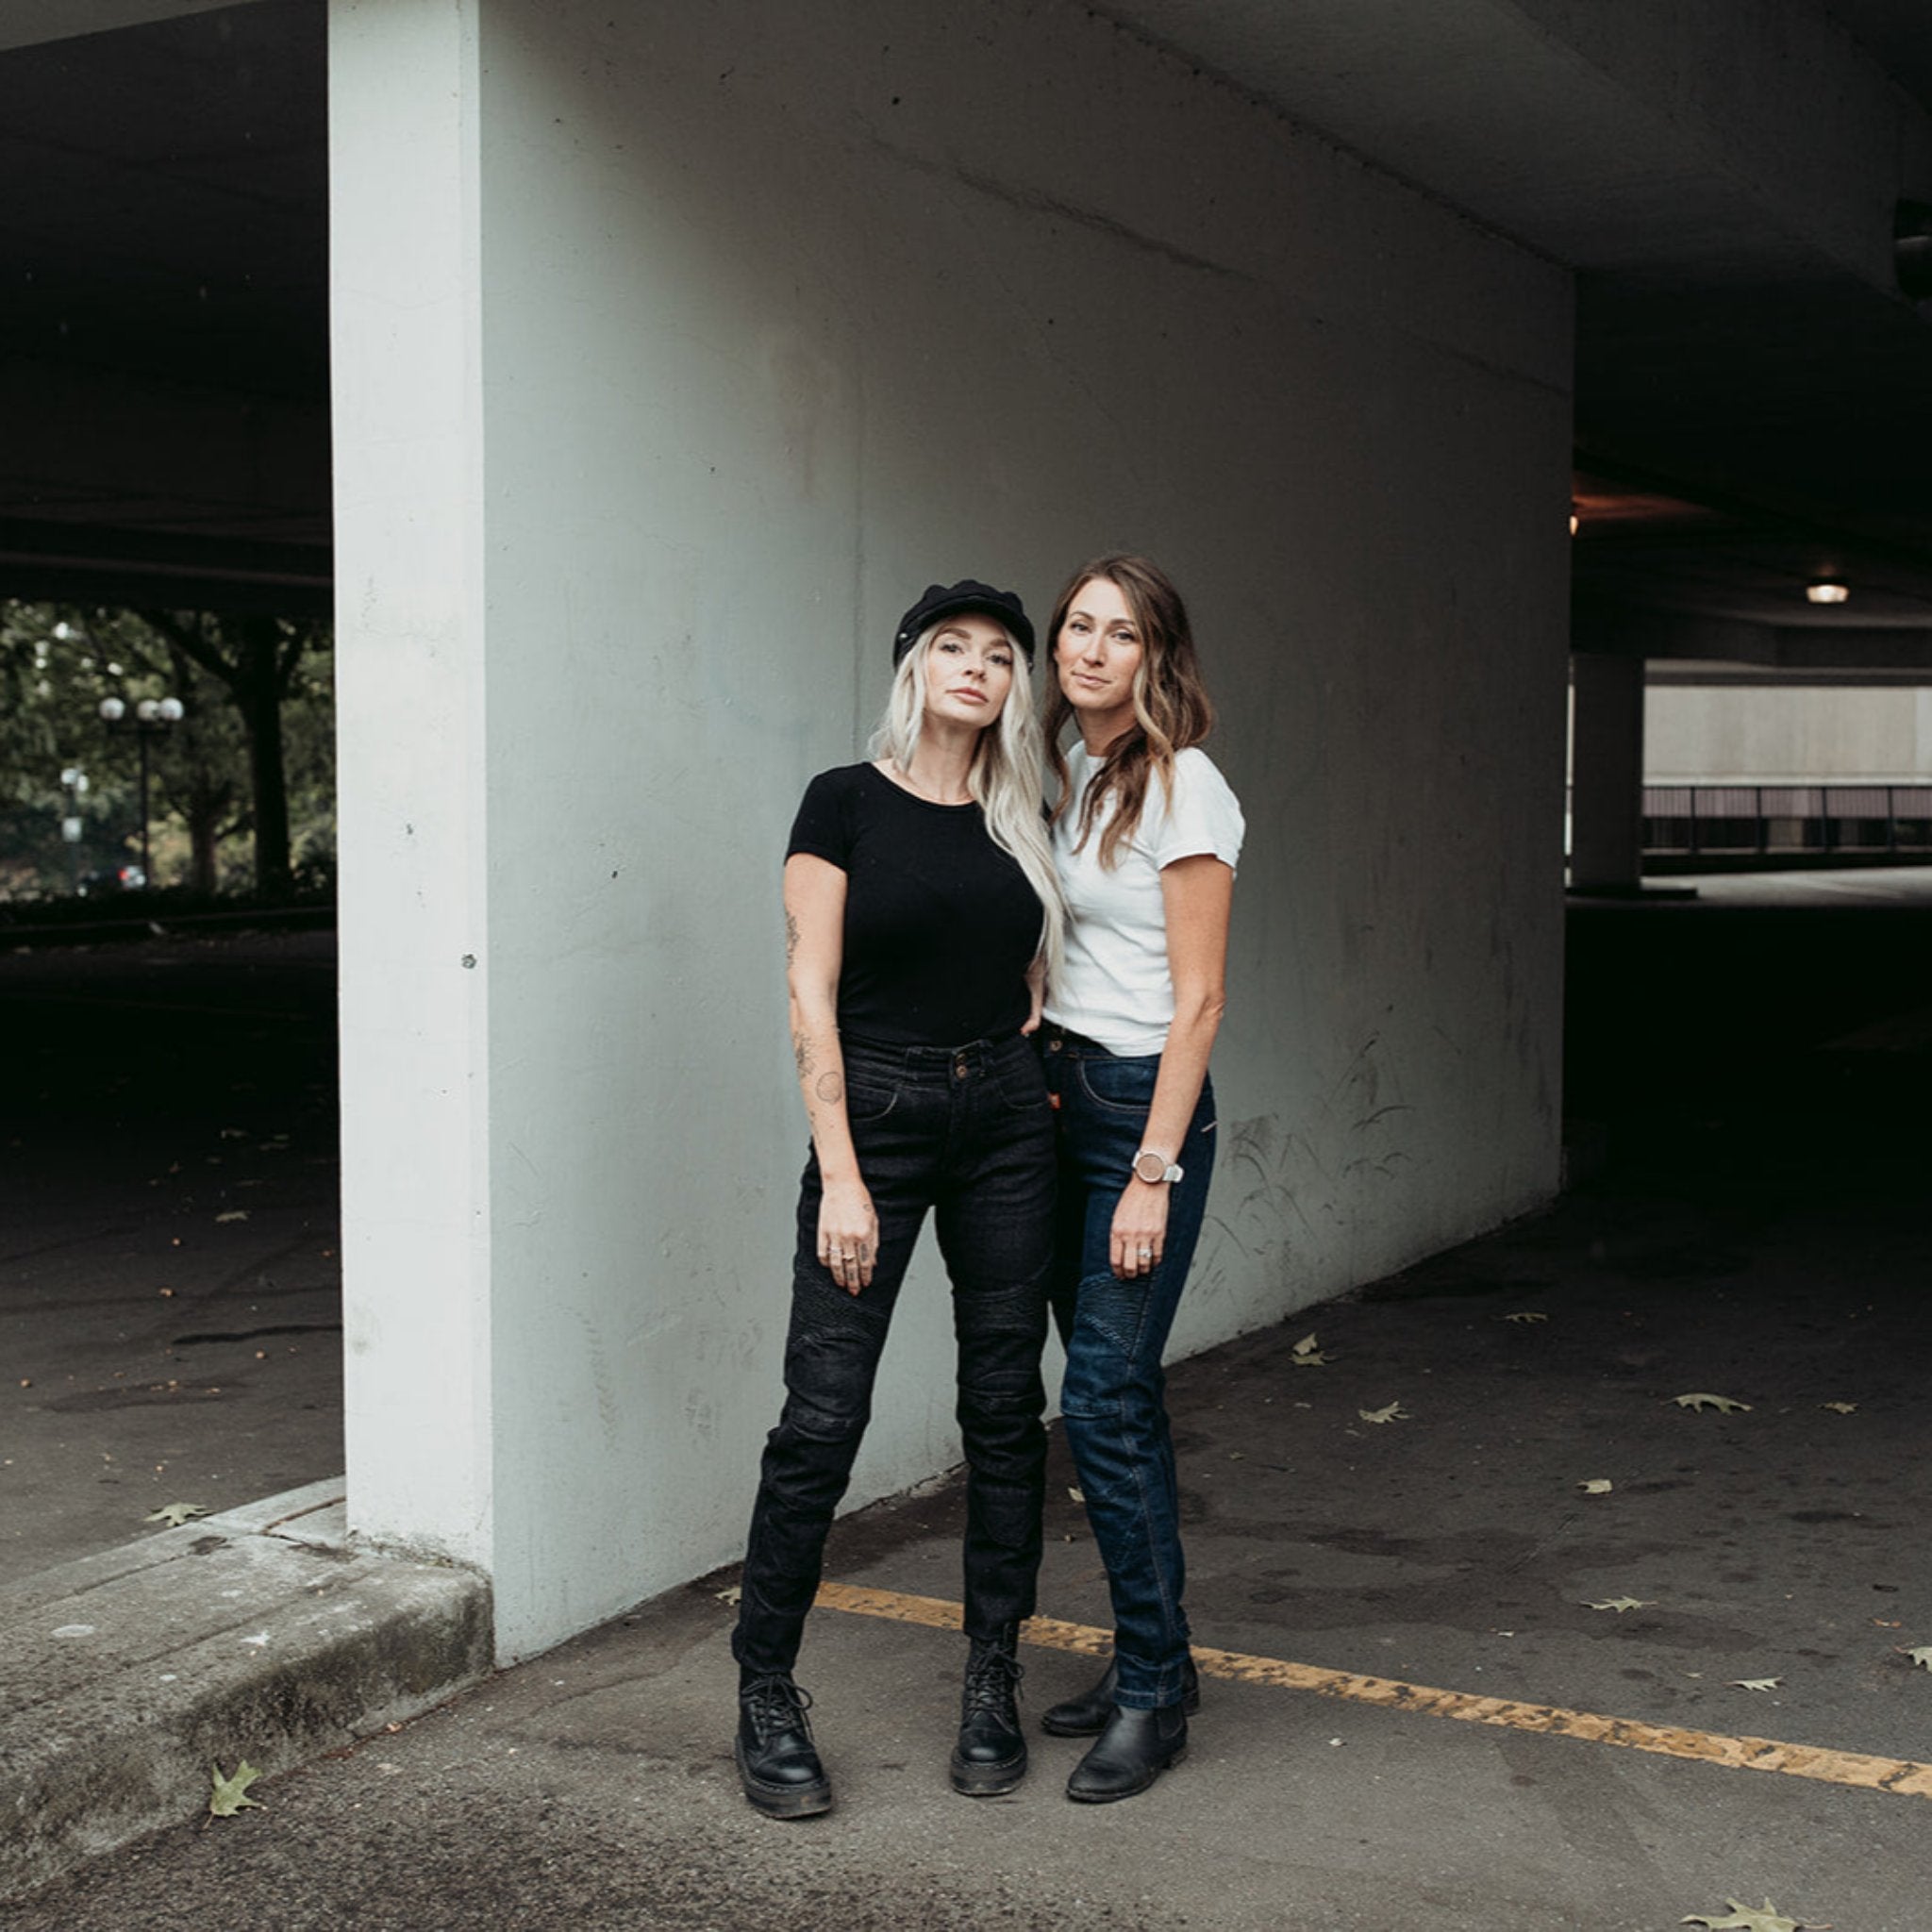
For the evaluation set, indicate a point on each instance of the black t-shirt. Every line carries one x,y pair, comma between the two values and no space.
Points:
941,925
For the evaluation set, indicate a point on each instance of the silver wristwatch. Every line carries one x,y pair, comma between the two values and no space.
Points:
1152,1167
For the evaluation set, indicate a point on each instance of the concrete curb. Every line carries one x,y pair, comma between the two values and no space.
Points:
256,1634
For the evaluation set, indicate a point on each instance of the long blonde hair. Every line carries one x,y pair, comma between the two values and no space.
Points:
1170,704
1004,777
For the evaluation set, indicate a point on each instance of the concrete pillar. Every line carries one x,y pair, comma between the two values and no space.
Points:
1607,773
675,350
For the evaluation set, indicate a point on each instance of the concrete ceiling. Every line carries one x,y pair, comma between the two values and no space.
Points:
1725,194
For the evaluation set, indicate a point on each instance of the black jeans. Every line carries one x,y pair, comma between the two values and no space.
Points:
968,1132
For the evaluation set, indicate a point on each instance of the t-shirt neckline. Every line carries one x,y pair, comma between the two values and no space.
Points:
906,791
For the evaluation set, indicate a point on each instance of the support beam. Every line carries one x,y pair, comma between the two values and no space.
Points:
1607,774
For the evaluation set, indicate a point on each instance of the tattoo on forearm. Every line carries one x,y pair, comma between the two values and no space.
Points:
830,1089
790,938
800,1051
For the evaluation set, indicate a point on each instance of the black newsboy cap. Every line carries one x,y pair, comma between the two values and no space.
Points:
956,600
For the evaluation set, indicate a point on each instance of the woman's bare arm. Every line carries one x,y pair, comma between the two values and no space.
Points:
1198,896
814,956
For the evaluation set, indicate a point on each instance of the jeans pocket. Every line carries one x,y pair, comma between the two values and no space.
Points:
1123,1086
866,1103
1021,1082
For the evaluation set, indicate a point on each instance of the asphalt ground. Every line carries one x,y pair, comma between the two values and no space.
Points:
1415,1713
170,1293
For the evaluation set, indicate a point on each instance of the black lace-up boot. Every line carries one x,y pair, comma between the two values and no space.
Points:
776,1763
990,1756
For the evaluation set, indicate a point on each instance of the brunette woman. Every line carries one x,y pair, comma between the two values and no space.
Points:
1146,838
921,915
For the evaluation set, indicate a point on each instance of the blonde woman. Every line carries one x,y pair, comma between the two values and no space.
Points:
921,916
1145,836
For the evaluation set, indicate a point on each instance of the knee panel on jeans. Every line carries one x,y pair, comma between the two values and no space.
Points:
819,1422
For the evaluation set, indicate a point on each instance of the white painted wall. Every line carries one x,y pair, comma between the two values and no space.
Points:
733,327
1787,734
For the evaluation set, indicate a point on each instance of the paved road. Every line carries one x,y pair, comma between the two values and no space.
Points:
170,1296
1758,1231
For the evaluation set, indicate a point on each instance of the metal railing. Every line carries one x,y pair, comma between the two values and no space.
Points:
1725,821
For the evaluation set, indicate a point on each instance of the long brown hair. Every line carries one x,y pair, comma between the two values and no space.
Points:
1170,704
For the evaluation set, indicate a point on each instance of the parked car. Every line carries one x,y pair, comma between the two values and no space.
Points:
105,879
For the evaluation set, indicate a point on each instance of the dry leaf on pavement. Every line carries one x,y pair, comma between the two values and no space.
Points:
1620,1604
1742,1919
174,1514
1597,1486
1756,1683
231,1793
1722,1403
1393,1413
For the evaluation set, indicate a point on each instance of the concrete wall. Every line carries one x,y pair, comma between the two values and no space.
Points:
1768,734
676,350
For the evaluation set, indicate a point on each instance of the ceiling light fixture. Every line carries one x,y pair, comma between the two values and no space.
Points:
1827,594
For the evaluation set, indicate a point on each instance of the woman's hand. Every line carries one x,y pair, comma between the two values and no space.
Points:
848,1234
1036,987
1140,1229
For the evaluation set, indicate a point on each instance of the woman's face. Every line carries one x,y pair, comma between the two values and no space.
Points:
969,671
1097,653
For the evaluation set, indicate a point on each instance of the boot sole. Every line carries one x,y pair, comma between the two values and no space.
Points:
775,1801
988,1780
1083,1727
1167,1763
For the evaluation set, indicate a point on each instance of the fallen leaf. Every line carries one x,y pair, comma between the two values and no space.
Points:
1393,1413
1525,1315
1597,1486
231,1793
233,1214
1756,1683
1923,1654
176,1514
1078,1495
1742,1919
731,1595
1306,1354
1840,1407
1620,1604
1722,1403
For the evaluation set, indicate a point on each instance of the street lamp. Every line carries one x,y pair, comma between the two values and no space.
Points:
153,718
73,789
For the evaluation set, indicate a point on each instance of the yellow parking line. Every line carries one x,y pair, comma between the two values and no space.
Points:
1897,1775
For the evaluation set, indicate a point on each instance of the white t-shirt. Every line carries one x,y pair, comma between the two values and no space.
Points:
1115,986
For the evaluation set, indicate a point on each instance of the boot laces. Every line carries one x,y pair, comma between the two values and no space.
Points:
992,1679
776,1704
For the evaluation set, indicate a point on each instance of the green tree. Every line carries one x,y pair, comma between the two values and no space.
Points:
253,753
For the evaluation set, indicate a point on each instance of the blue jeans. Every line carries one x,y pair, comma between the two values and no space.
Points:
1113,1401
967,1132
